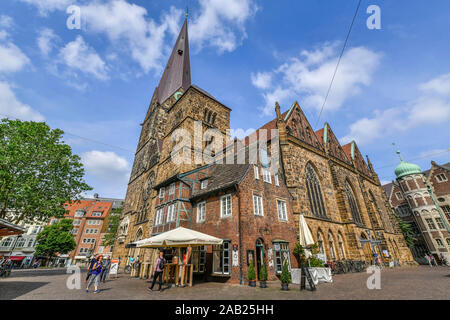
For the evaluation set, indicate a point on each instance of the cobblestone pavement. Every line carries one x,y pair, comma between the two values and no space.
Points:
421,282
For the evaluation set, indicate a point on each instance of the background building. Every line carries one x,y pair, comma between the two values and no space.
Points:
22,245
422,199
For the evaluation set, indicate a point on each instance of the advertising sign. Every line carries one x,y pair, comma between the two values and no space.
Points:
114,266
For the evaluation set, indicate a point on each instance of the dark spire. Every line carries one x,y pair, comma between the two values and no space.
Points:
178,69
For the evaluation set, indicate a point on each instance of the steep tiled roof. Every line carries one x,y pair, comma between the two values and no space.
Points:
387,188
348,150
222,176
319,134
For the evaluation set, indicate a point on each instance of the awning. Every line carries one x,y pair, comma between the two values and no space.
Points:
130,245
16,258
9,229
179,237
306,238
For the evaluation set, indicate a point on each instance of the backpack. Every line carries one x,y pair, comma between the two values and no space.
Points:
162,263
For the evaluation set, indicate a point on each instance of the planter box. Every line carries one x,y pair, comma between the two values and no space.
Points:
318,275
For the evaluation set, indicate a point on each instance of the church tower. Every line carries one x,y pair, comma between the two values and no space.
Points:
175,104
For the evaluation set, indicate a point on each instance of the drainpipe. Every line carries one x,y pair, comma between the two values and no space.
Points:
430,191
239,235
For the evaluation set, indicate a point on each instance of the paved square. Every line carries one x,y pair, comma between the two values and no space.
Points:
422,282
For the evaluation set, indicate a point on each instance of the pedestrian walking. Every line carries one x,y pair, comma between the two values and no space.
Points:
105,269
433,260
160,263
443,260
427,257
91,264
96,272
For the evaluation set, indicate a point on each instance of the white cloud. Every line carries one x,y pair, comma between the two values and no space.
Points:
221,24
77,55
262,80
439,85
127,27
11,106
107,166
6,21
46,6
309,76
45,41
432,107
12,59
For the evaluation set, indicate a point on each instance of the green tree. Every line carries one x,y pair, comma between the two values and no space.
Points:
406,230
251,274
55,239
113,221
38,172
285,273
263,272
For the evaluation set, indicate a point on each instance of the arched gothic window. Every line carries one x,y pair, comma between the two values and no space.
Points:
352,203
331,244
314,193
320,243
341,246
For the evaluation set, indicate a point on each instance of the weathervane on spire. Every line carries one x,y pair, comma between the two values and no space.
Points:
187,12
398,152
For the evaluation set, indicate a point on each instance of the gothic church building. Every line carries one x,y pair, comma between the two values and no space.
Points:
337,191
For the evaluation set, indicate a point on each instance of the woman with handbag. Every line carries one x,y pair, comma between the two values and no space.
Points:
96,271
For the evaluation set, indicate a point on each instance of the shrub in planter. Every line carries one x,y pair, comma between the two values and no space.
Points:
251,275
263,276
299,253
285,276
315,263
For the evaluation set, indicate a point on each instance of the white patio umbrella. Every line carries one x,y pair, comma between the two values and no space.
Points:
306,238
179,237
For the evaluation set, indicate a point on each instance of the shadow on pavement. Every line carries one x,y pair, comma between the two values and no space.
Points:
11,289
36,273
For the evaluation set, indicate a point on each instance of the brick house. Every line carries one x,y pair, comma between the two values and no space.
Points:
243,204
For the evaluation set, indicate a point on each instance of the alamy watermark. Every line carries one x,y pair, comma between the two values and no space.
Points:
374,281
374,20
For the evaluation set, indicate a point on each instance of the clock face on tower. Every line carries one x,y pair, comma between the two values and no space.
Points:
177,95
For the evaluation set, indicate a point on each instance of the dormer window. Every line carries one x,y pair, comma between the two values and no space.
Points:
203,184
162,191
172,189
441,177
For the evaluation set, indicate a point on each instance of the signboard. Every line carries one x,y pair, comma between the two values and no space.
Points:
114,266
269,256
305,275
235,256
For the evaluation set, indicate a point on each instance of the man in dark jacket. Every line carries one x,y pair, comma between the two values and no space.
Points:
91,264
105,269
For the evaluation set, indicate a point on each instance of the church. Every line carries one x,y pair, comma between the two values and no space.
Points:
253,209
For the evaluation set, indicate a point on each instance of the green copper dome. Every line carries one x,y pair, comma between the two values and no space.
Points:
406,168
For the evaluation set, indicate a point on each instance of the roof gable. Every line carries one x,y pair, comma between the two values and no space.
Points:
334,147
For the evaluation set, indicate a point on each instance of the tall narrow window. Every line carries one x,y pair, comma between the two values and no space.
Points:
162,192
266,176
172,189
352,203
314,193
282,213
171,213
258,206
430,223
201,211
341,246
321,247
221,258
277,181
256,171
331,244
225,207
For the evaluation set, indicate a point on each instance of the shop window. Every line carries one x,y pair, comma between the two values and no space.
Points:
199,259
221,258
281,253
201,211
258,206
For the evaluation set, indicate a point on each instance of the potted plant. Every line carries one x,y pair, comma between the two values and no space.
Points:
285,277
251,275
263,276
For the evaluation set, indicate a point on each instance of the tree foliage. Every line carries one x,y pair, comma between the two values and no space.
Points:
55,238
38,172
285,273
113,221
251,274
406,230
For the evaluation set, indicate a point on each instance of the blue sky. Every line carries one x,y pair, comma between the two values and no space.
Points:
393,84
